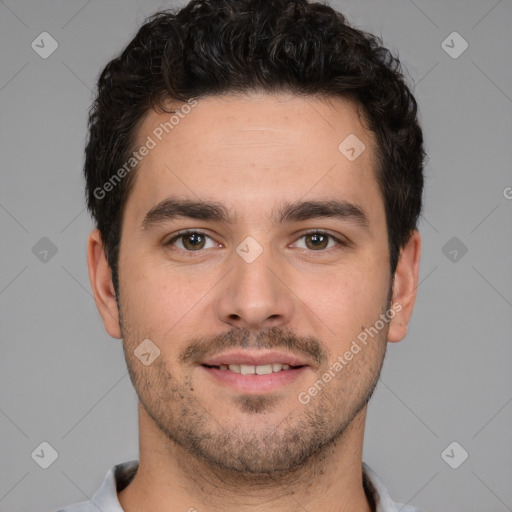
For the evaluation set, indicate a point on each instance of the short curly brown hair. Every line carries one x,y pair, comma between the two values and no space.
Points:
213,47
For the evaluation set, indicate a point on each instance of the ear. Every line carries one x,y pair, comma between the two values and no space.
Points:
404,287
100,276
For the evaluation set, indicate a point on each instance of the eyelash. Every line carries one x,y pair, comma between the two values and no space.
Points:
182,234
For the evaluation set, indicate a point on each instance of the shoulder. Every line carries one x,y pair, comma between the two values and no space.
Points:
382,500
84,506
105,499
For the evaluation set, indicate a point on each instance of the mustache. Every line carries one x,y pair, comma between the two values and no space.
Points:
207,346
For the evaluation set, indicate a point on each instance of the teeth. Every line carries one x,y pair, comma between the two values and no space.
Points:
264,369
246,369
249,369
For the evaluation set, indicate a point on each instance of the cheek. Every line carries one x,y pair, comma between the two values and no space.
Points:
147,298
345,301
162,303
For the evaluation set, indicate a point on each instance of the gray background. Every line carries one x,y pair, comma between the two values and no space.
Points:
63,379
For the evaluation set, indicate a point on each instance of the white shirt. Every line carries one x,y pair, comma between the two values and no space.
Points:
118,477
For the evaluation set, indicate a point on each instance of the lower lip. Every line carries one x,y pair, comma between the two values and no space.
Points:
255,383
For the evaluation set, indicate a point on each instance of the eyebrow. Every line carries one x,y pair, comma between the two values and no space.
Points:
172,208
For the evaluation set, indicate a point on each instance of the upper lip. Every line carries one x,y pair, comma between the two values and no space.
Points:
255,358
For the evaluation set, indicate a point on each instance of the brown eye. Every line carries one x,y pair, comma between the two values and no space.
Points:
191,241
317,241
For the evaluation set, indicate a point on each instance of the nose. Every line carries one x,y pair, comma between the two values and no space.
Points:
255,295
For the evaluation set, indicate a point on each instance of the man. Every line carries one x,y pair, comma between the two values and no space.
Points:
255,170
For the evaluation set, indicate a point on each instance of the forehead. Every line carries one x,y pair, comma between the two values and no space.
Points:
251,151
277,120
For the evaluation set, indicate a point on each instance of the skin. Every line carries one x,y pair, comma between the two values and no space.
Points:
203,444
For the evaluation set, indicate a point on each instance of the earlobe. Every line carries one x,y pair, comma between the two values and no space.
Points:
100,276
405,287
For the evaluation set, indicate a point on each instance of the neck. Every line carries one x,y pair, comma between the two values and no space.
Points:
170,478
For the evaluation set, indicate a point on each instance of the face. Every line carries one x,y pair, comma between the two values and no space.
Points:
253,254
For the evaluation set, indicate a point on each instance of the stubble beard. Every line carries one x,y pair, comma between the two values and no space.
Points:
274,450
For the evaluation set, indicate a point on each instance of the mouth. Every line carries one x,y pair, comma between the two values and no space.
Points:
249,369
255,372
